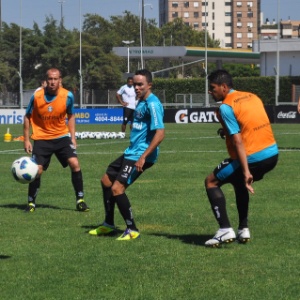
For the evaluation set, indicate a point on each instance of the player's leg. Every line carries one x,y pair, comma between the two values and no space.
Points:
41,153
126,177
108,226
242,204
130,118
67,156
217,200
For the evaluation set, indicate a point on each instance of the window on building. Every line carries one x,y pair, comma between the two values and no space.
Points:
186,15
204,3
228,34
228,45
204,13
186,23
213,36
196,14
213,15
213,26
175,14
186,4
250,24
249,3
239,45
204,25
239,14
174,4
239,24
227,14
228,24
239,35
239,4
250,14
227,3
196,4
213,5
196,25
249,45
250,35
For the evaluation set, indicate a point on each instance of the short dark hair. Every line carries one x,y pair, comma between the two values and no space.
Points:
129,78
145,73
219,77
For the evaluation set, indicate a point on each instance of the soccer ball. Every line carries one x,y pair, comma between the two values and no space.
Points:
24,169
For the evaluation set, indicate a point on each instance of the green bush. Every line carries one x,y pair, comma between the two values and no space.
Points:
264,87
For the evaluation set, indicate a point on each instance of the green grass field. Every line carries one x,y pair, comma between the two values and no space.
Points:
49,255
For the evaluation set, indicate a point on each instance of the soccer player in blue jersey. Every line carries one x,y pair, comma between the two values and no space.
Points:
146,135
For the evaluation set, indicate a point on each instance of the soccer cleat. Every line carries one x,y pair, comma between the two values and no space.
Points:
30,207
103,229
243,235
129,235
81,206
221,237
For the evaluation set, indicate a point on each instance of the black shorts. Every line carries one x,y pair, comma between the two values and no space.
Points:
127,115
63,149
230,171
124,170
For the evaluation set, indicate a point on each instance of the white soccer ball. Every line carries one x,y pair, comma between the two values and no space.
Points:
98,135
24,169
105,135
92,135
112,135
121,135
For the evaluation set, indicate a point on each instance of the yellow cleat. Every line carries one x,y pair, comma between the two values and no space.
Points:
129,235
103,229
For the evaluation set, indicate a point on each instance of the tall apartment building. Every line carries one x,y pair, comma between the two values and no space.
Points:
235,23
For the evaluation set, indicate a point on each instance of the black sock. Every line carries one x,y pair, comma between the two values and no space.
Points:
125,210
109,205
33,190
242,204
77,182
218,206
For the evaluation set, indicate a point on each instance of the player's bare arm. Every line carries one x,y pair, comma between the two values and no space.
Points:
241,153
157,139
26,133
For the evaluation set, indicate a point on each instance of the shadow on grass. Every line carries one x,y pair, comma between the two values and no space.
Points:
4,257
111,234
23,206
193,239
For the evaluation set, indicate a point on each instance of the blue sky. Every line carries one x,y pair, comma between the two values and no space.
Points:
37,10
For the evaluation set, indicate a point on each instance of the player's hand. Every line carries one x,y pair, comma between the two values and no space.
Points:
27,147
221,133
248,183
140,163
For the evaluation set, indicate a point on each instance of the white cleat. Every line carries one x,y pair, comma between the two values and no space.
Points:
222,236
243,235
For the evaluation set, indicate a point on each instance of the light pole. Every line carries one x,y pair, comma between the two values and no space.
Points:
61,11
142,27
20,59
80,57
277,56
206,81
127,44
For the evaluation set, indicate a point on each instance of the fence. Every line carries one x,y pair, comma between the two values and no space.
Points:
107,99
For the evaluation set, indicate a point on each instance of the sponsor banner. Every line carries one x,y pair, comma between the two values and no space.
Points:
12,116
192,115
83,116
286,114
201,115
99,116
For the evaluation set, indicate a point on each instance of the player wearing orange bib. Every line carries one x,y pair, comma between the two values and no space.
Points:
46,114
252,149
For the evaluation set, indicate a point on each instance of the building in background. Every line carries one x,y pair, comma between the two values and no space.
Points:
234,23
